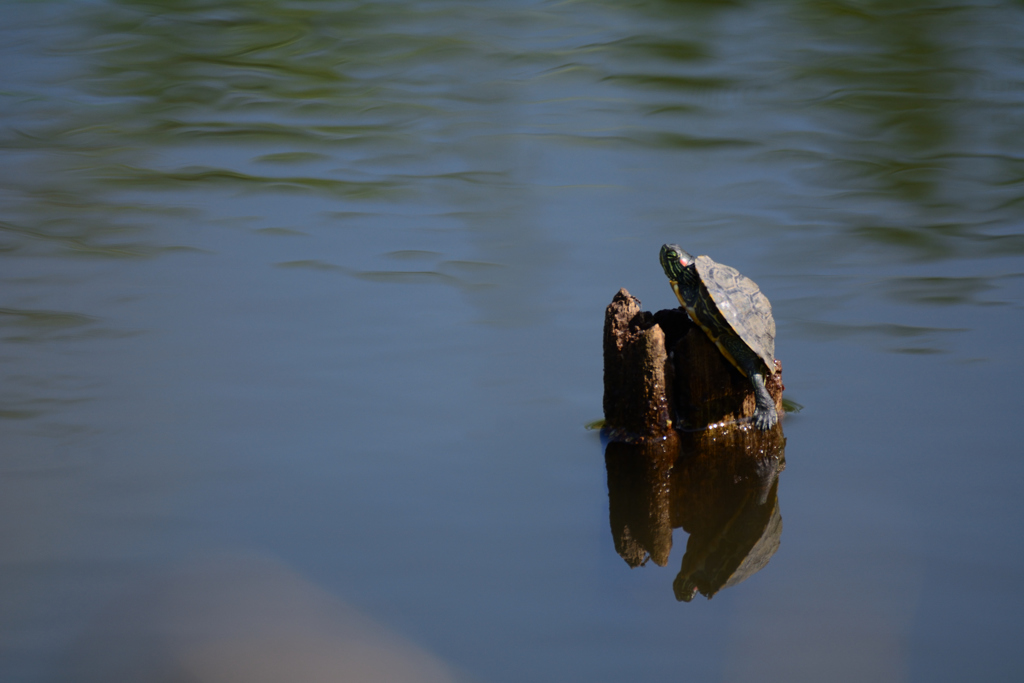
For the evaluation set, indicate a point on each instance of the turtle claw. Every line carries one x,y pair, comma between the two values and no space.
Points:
765,416
765,419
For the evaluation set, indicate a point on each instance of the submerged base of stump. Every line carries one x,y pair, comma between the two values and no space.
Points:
662,373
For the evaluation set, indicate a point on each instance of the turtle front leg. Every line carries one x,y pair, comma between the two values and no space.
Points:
765,416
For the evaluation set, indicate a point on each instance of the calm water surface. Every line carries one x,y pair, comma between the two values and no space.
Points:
318,287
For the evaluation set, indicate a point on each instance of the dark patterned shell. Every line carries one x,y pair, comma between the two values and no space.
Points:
743,306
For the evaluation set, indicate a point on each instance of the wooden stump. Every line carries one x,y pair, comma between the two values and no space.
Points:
661,371
637,373
716,477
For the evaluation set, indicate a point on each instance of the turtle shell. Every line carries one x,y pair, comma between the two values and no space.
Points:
740,302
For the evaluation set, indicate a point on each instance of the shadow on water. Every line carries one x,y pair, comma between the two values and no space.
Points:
721,487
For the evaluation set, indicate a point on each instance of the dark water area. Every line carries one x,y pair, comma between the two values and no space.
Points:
300,335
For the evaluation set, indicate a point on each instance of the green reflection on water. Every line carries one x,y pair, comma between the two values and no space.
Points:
26,325
929,339
291,157
44,319
164,85
941,291
912,100
677,50
669,83
210,178
311,264
890,136
403,277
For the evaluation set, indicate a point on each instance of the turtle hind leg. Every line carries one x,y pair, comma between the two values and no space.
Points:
765,416
751,365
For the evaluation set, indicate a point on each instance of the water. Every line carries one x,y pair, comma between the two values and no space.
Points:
320,286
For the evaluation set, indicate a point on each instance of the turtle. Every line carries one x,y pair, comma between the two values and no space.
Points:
734,314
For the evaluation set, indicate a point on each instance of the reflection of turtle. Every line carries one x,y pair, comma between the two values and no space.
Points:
730,550
734,314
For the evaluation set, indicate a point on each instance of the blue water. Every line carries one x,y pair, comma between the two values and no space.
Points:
323,284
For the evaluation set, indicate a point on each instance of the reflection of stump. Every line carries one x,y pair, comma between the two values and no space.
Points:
722,490
640,498
647,388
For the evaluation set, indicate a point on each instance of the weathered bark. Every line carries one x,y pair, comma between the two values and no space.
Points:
661,371
636,371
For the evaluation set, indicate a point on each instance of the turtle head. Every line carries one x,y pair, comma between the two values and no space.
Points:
674,260
685,588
